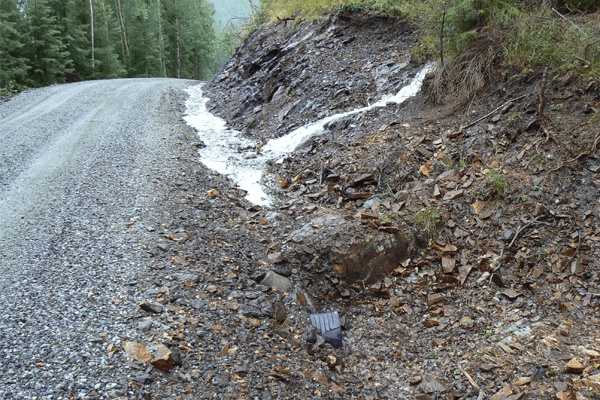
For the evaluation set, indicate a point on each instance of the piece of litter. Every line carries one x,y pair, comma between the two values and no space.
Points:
329,324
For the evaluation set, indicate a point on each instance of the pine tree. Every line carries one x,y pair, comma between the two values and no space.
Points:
47,53
142,26
73,23
106,38
13,66
189,28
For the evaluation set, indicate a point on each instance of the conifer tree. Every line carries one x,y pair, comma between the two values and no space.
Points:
73,23
13,65
189,28
46,52
106,38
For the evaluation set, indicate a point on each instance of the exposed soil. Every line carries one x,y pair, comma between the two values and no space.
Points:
498,294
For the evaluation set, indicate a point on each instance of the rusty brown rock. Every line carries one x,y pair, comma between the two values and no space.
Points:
368,216
449,250
464,272
478,206
331,361
539,210
574,366
137,351
512,294
282,182
502,394
389,229
151,307
163,359
577,267
466,322
434,298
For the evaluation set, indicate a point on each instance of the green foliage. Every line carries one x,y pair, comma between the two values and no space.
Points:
44,42
44,49
106,59
13,64
569,43
385,218
496,183
270,10
529,36
189,31
428,218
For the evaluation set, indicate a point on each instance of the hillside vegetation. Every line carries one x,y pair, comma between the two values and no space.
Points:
478,36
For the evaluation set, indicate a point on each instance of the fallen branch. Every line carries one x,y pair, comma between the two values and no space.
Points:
473,383
571,22
462,128
545,141
540,111
593,149
517,233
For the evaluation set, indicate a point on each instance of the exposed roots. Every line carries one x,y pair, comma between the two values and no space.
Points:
467,72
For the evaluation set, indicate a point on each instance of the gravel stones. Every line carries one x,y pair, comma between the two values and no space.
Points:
81,163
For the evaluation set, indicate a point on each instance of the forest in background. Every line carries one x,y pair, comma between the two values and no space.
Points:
43,42
233,11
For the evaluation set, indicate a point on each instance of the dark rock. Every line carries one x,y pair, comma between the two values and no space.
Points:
279,312
176,354
151,307
143,378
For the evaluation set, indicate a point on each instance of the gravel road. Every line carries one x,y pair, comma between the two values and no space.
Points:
79,166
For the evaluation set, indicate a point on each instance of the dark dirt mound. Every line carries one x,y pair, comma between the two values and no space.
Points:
463,260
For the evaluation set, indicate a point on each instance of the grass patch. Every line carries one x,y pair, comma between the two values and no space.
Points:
428,218
474,41
495,183
568,43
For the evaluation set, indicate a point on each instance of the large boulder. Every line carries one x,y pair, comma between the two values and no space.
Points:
347,249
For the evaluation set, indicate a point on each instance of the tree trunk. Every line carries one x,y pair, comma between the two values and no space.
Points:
122,23
92,26
178,55
122,44
162,43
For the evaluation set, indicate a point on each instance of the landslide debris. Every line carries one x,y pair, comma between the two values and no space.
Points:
495,291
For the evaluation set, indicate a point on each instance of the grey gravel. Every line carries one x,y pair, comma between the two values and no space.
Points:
78,163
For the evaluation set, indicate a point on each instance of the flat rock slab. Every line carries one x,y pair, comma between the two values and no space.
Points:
137,351
279,282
